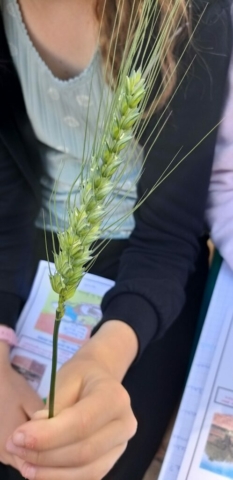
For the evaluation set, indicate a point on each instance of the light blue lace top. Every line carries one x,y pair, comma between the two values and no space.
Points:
64,115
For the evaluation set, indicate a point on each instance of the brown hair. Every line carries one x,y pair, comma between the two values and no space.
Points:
115,17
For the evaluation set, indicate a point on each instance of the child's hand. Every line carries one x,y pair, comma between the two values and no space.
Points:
92,425
86,437
18,402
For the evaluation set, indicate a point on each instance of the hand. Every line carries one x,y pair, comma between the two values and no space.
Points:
92,425
18,402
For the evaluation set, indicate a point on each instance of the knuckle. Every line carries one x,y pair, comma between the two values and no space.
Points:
130,425
125,398
122,397
133,426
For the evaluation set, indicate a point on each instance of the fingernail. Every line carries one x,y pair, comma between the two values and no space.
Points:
29,472
19,439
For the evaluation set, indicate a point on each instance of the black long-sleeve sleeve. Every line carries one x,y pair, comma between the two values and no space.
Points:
149,291
20,170
17,215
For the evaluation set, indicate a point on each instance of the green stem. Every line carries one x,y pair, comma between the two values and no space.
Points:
54,363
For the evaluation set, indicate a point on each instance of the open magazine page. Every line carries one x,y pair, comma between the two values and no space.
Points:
33,354
209,454
221,303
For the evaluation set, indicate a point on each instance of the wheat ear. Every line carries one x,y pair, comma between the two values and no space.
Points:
75,243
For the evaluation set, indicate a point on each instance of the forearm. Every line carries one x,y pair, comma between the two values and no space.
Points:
114,346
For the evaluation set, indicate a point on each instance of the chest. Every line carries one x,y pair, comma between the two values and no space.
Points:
65,33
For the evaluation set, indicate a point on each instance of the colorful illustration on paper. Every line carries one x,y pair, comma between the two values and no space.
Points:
218,455
82,313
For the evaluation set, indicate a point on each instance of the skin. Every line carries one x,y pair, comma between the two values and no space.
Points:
24,402
64,32
93,420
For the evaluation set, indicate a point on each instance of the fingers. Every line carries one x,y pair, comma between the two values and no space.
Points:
17,403
95,471
82,453
7,457
75,423
17,463
84,439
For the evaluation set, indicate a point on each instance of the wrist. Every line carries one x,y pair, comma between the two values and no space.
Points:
114,346
4,354
8,335
7,339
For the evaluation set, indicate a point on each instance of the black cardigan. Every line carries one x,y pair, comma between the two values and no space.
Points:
154,269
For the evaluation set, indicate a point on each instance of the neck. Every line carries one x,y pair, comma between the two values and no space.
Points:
65,32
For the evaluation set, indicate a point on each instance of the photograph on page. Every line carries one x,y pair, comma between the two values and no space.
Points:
209,454
220,304
218,455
